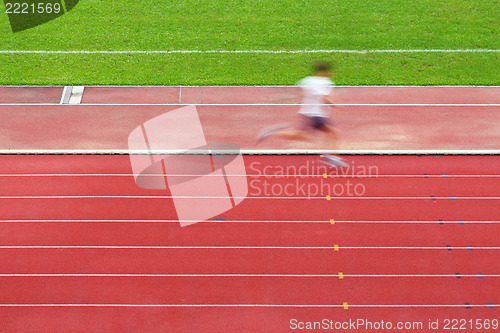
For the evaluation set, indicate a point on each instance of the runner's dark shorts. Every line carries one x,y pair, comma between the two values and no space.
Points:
317,123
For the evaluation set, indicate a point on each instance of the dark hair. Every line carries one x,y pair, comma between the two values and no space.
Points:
321,67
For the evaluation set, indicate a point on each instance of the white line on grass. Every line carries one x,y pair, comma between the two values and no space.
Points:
245,51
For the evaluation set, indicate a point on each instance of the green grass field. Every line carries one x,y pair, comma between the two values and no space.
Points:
258,25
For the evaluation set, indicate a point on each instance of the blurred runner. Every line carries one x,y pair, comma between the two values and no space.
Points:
313,118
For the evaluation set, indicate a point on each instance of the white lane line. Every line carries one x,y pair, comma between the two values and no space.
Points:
258,275
276,152
248,51
295,87
257,305
269,104
335,176
240,197
253,221
116,247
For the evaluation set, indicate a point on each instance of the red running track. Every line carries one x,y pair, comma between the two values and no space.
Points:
370,118
124,264
403,239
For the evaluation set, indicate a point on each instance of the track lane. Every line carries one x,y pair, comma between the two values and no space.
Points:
317,209
245,290
361,165
350,261
216,320
375,128
243,261
71,233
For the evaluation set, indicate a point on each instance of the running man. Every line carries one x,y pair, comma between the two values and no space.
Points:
313,118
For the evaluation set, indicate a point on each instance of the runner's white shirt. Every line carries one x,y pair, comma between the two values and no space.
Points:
314,88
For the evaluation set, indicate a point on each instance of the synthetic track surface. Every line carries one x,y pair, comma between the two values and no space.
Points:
269,261
400,239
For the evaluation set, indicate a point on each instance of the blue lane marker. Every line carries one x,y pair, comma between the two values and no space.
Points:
444,175
467,305
461,222
470,247
458,275
490,305
219,155
440,221
218,219
449,247
437,155
452,197
480,275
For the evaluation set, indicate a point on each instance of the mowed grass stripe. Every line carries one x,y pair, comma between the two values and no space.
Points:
247,69
265,24
260,25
